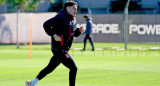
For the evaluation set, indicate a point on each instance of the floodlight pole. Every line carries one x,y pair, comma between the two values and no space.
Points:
89,12
126,24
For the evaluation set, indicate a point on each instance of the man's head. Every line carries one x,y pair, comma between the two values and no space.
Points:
71,7
85,17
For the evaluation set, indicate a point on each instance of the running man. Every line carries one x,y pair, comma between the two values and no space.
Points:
62,30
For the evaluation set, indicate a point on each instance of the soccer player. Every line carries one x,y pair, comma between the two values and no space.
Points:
62,29
88,32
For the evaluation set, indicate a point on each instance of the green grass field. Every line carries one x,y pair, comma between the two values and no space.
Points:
94,68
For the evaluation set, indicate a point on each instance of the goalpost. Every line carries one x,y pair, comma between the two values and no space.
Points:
126,24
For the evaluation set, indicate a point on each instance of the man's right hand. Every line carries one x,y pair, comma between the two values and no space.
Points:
56,37
81,29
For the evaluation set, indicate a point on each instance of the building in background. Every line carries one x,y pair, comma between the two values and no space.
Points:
150,6
3,8
104,6
43,7
98,6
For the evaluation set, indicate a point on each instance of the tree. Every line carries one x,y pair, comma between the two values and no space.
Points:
56,7
22,5
118,5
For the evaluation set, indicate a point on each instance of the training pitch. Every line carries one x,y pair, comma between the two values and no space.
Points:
100,68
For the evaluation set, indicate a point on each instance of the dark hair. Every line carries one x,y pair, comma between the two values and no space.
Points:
85,16
70,3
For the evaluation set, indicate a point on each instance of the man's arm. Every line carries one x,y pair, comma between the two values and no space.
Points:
78,31
48,27
51,25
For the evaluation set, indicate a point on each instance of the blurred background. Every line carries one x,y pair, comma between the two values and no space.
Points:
96,6
109,17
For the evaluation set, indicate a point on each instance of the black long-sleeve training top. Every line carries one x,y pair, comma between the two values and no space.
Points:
63,24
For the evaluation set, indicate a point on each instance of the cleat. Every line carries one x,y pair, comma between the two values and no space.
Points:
28,83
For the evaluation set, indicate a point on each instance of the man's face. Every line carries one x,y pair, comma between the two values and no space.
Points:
85,18
72,10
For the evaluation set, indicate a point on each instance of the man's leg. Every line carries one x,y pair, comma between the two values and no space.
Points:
85,39
69,63
91,41
54,62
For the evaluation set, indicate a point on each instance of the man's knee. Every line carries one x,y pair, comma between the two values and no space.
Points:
74,69
84,40
48,69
